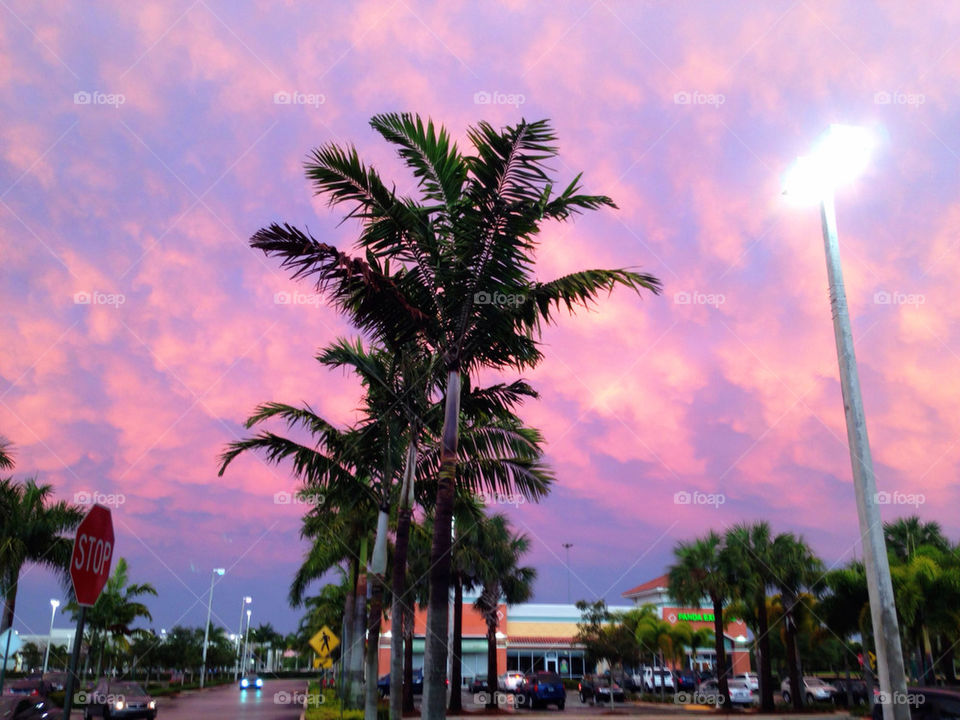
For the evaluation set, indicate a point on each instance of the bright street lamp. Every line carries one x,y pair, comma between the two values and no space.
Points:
54,604
244,601
206,628
839,156
245,638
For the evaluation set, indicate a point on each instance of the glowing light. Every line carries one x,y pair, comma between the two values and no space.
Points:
839,156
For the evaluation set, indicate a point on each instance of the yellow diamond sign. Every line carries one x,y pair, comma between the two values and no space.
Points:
324,642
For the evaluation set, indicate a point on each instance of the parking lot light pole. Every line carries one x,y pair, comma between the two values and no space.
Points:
54,604
841,154
206,628
244,601
246,636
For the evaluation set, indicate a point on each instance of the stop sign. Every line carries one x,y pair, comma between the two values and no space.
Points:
92,553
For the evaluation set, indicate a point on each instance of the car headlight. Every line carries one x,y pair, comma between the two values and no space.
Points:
118,705
259,682
244,683
152,705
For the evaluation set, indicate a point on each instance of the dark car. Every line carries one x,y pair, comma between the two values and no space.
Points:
479,684
926,704
32,685
383,684
597,690
858,689
251,682
118,699
13,707
686,680
540,689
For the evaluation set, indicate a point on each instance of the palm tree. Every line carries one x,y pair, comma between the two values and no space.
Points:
658,638
905,535
32,529
702,570
749,547
796,569
842,605
6,454
452,270
503,578
112,617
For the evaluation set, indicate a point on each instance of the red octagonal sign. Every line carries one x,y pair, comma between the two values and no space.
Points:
92,554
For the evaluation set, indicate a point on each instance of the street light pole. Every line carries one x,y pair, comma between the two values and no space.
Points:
206,628
244,601
245,638
886,631
54,604
567,546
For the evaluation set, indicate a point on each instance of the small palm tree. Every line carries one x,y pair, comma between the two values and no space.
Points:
658,638
32,530
702,570
451,270
503,578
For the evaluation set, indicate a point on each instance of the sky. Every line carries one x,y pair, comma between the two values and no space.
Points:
142,144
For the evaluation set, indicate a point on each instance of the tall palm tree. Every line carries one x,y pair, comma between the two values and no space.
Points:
451,269
502,578
702,570
904,535
32,530
6,454
750,547
796,569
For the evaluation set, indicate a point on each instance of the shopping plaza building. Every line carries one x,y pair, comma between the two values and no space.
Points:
541,636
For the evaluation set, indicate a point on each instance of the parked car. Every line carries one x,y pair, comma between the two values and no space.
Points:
814,689
477,685
655,678
32,685
510,681
540,689
597,690
686,680
251,682
15,707
383,684
928,704
740,693
750,678
119,699
858,689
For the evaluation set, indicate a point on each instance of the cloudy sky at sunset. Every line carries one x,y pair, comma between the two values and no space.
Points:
143,143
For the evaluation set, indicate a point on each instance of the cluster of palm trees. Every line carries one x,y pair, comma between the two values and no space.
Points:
442,288
790,600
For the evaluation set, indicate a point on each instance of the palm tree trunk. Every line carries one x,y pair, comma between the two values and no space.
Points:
720,652
435,650
947,661
401,543
375,616
790,631
456,667
9,606
491,661
763,643
349,609
408,620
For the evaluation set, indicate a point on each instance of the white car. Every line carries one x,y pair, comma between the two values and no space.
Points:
815,690
750,678
654,678
739,692
510,681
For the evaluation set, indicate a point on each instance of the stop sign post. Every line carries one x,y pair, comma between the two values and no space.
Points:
89,570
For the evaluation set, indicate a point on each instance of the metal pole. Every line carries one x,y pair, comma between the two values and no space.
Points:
74,661
246,636
243,604
879,586
206,631
567,546
54,604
